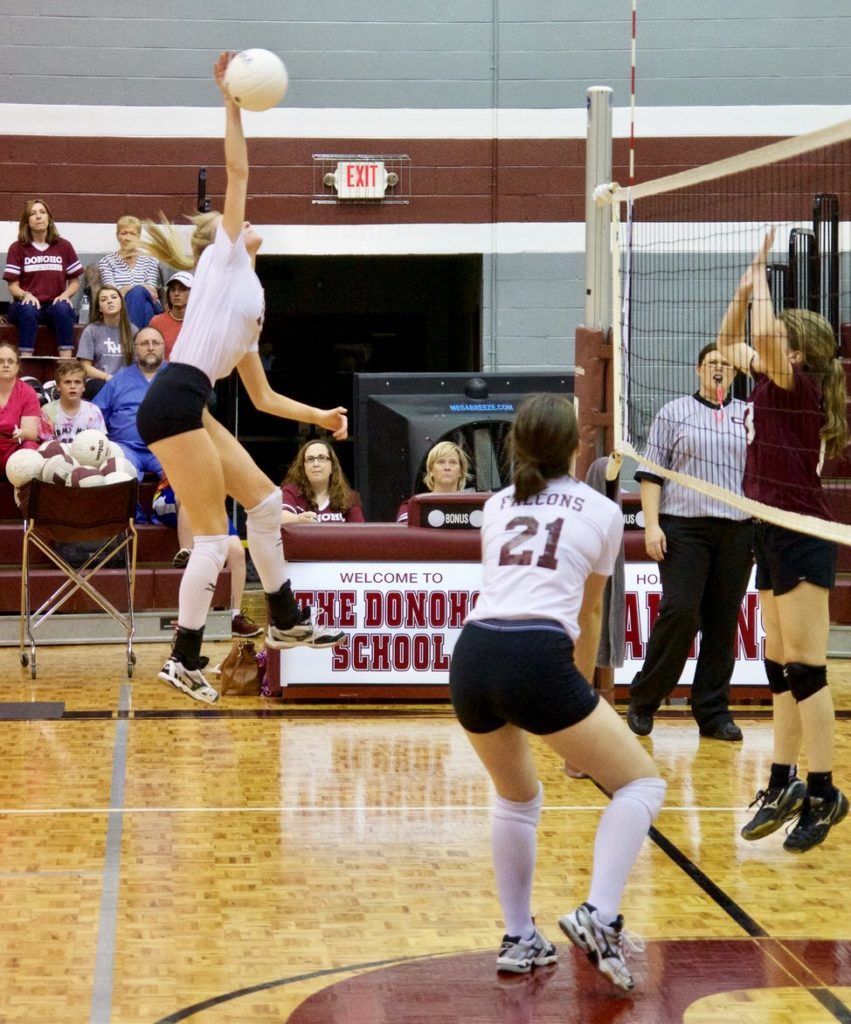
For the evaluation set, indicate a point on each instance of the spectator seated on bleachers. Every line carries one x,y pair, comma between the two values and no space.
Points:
106,345
20,411
121,396
42,271
176,297
69,414
133,272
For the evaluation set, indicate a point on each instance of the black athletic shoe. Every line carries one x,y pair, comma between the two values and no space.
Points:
775,807
640,723
723,731
818,816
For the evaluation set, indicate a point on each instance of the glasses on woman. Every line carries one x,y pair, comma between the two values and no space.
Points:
317,458
9,362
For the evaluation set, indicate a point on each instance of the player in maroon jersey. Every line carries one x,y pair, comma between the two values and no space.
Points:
797,415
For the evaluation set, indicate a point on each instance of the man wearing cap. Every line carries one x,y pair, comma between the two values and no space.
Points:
177,295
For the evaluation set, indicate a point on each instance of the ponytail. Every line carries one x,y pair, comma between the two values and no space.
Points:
164,243
835,430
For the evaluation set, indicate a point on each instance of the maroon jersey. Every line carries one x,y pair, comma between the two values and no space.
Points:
292,500
784,445
42,271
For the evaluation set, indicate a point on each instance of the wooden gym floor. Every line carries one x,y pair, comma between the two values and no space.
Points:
164,861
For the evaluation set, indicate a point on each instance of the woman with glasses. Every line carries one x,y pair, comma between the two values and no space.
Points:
203,461
20,410
315,489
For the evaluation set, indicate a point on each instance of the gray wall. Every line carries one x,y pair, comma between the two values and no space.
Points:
442,54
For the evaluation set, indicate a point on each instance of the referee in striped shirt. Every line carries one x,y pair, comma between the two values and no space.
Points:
703,547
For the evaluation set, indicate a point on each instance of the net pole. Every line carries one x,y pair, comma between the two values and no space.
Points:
616,455
632,62
598,169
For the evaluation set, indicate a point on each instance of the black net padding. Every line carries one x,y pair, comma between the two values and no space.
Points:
60,513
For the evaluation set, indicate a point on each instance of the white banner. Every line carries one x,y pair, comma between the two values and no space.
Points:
402,622
402,619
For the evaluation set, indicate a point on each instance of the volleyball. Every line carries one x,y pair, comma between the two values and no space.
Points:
117,477
90,448
50,448
24,465
57,468
115,451
119,465
256,79
84,476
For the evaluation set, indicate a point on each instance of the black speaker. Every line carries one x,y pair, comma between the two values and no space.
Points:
399,417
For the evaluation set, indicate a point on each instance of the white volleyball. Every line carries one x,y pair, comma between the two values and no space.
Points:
115,450
58,468
24,465
84,476
118,464
51,448
256,79
90,448
117,477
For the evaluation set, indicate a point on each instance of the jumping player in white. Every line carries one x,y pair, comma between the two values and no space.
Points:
202,460
521,665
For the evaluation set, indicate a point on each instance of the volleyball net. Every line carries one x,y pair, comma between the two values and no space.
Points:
680,246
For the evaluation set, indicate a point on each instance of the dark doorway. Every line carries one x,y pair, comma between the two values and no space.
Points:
328,317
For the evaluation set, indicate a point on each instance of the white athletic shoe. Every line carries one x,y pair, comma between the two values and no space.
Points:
303,634
519,956
188,681
605,945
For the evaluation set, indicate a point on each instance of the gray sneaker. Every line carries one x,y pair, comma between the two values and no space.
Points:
303,634
188,681
605,945
775,807
519,956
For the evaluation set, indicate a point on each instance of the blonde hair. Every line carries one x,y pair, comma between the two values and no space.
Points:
165,243
812,336
128,222
442,450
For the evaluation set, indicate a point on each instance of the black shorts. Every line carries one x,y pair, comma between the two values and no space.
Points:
174,403
785,558
518,671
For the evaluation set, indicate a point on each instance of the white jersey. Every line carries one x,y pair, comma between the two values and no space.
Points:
538,553
224,314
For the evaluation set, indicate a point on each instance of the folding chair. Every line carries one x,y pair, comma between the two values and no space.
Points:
53,512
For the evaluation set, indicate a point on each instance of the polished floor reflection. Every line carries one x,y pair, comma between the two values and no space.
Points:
164,861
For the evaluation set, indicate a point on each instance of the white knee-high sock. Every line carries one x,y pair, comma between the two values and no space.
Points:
199,580
620,833
514,829
263,530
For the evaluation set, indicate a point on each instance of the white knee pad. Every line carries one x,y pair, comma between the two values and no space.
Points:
650,793
527,813
265,517
210,551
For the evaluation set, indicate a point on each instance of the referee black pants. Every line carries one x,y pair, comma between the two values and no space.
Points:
704,577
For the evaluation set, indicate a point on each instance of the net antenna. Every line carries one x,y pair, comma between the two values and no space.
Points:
680,244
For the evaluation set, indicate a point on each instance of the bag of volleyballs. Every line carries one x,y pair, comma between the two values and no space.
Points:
256,79
90,448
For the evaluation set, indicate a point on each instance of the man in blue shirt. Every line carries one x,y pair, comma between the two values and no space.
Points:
121,396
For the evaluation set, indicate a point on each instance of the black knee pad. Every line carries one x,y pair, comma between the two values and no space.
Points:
777,681
804,680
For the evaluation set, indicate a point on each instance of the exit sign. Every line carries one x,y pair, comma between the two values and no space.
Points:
361,179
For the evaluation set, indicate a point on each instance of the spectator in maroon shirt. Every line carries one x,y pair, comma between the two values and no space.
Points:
316,490
42,271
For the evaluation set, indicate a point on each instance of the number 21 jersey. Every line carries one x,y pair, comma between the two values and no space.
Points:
538,553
